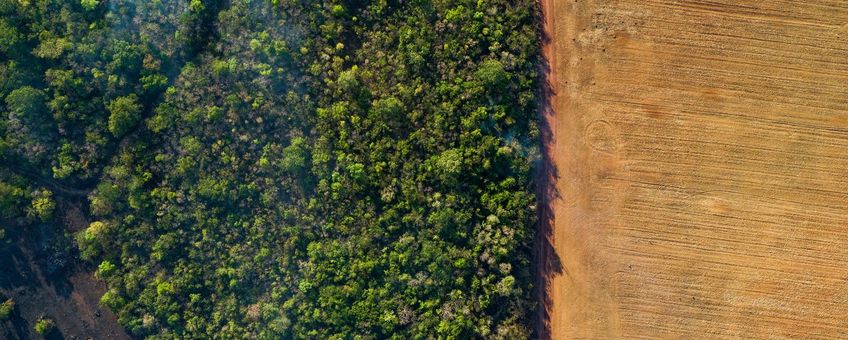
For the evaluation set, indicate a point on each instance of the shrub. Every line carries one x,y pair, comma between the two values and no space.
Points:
6,309
44,325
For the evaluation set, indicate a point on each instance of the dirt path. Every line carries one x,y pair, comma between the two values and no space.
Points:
700,151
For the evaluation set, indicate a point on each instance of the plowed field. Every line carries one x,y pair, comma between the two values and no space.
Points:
699,153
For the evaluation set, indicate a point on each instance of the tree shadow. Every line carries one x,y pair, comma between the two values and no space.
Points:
11,259
20,328
546,260
25,277
54,334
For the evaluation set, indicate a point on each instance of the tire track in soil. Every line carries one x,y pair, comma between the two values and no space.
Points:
694,181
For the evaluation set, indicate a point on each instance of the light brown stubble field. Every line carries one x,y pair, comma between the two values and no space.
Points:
701,155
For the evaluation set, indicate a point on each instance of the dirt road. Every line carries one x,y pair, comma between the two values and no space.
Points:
701,160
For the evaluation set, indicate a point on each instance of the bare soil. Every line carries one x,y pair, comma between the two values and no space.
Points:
699,153
68,295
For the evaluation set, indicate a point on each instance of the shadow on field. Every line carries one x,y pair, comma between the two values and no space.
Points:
546,260
29,275
40,272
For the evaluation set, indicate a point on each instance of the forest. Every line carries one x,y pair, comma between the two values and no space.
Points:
330,169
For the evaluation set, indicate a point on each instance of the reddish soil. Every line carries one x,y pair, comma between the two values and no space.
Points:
697,159
69,296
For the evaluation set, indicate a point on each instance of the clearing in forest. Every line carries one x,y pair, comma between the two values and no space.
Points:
699,151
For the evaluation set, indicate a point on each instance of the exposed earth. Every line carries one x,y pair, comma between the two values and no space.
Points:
700,154
68,294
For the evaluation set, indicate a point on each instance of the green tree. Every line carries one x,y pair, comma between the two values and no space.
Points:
11,198
196,6
6,309
295,155
9,36
89,4
125,113
112,299
91,239
106,269
43,205
44,325
154,83
347,80
27,102
492,74
52,48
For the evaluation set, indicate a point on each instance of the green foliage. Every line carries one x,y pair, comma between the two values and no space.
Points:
12,199
27,102
9,36
52,48
43,205
106,269
347,80
89,4
295,155
44,325
27,124
154,83
125,113
6,309
90,240
285,169
112,300
491,73
196,6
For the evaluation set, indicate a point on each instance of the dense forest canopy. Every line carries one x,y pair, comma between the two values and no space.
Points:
283,168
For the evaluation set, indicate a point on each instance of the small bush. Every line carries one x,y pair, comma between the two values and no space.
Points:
44,325
6,309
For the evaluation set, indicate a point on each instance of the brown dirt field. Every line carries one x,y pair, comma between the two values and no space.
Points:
700,151
69,296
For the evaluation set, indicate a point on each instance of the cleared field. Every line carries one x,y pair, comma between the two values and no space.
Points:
701,155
